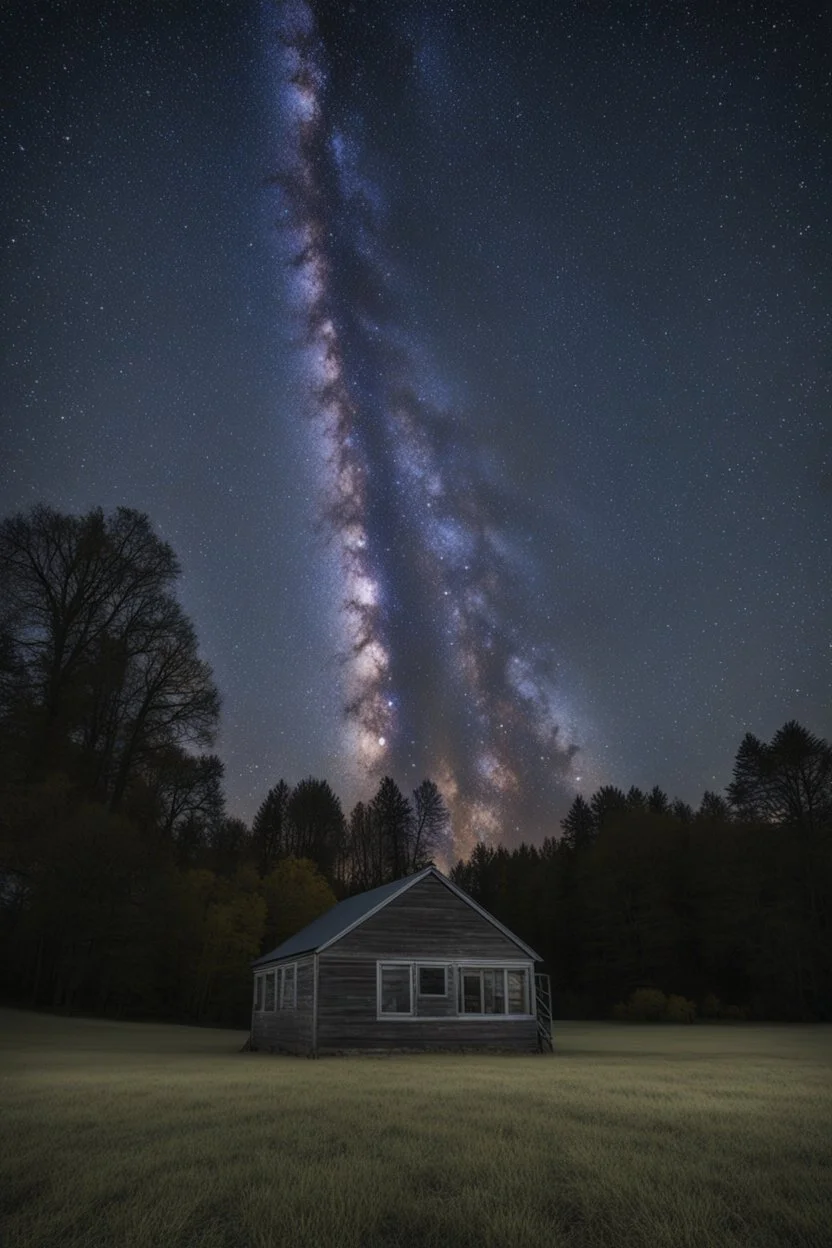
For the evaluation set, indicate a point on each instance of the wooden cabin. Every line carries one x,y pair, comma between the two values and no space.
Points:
413,965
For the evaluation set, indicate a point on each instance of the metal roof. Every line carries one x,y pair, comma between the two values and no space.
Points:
338,920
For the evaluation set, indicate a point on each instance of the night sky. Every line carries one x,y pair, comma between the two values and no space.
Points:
473,357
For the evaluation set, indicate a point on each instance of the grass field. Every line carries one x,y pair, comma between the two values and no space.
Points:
130,1135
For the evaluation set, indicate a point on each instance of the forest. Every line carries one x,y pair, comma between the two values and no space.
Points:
127,889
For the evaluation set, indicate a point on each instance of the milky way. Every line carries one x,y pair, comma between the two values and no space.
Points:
439,675
542,440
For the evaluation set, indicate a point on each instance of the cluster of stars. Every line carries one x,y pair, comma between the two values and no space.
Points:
426,568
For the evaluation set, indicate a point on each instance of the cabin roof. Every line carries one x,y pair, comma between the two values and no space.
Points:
347,914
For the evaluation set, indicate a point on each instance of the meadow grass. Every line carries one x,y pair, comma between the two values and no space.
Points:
132,1135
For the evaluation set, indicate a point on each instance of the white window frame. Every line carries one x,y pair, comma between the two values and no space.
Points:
474,965
454,970
293,1005
432,966
397,962
280,999
528,975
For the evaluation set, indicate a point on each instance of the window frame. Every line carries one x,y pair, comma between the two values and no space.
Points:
397,962
444,967
270,1009
293,967
280,999
476,967
454,971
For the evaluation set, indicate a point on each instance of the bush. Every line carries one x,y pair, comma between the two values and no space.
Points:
680,1010
645,1005
736,1013
649,1005
711,1006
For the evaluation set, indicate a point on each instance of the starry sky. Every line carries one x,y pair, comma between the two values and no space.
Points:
474,358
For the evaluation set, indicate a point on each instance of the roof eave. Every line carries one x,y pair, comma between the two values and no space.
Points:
269,957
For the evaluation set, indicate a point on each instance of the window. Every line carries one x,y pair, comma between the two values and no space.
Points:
518,992
493,990
395,988
433,981
472,992
405,989
277,989
288,995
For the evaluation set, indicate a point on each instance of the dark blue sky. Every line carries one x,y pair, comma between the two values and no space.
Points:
574,264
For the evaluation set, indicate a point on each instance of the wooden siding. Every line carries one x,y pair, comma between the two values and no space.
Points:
288,1031
427,921
347,1017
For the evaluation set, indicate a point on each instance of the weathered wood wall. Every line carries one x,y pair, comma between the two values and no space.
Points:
347,1017
430,922
288,1031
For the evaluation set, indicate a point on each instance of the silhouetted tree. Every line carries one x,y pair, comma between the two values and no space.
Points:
787,785
104,654
270,827
185,788
579,825
316,827
229,846
713,808
636,799
788,781
607,801
392,817
431,824
478,876
681,810
366,860
657,801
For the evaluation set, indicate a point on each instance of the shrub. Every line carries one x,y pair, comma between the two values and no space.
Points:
737,1013
711,1006
646,1005
680,1010
649,1005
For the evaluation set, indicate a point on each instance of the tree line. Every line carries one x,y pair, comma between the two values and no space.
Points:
728,906
127,888
125,885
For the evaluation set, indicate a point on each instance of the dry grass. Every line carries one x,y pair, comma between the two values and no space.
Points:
135,1135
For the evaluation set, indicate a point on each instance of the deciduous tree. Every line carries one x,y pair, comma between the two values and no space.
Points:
431,825
98,649
295,893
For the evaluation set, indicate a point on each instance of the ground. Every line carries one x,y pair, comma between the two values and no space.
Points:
141,1135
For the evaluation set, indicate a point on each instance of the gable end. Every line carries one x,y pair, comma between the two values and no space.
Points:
418,881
